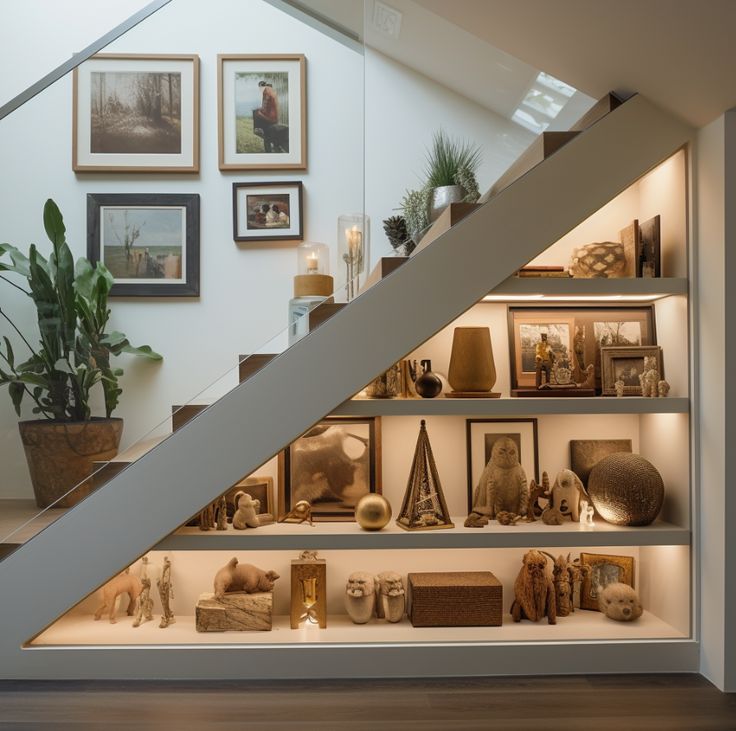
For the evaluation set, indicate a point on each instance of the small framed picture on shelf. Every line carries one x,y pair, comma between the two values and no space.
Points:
259,488
604,570
626,364
267,211
649,263
262,112
515,441
332,466
136,113
575,336
148,241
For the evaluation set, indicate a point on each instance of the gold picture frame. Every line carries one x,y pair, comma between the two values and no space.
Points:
627,363
604,569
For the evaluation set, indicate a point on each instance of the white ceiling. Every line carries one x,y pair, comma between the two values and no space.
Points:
681,54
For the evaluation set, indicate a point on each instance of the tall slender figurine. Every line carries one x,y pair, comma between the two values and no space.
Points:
166,592
544,358
144,613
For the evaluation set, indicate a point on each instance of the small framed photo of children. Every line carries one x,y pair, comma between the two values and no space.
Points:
136,113
149,242
267,211
262,112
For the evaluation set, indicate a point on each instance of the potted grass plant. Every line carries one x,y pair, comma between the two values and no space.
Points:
450,172
72,356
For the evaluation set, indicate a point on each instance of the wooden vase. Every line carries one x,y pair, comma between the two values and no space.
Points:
472,368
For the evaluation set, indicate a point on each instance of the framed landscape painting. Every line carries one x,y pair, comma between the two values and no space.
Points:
136,113
149,242
267,211
262,112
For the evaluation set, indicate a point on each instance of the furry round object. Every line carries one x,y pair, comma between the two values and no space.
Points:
372,512
534,593
626,489
620,602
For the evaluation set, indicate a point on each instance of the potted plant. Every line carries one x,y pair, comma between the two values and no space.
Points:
72,357
450,172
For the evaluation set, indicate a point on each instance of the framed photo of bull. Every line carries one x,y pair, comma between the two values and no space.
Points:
262,112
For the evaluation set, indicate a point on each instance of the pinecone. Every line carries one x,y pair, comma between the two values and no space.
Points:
395,229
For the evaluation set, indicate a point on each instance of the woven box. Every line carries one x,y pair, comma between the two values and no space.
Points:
455,599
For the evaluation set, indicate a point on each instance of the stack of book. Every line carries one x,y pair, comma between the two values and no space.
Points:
542,271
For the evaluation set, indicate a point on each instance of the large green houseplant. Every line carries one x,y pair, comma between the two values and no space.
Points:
72,357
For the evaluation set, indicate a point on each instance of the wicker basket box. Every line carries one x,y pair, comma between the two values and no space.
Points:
455,599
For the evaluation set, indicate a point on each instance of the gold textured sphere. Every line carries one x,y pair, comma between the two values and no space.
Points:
372,512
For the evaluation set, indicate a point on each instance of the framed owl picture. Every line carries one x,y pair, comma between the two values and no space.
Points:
511,442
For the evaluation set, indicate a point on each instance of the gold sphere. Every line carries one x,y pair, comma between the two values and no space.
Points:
372,512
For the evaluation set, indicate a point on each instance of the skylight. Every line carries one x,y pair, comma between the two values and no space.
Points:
542,103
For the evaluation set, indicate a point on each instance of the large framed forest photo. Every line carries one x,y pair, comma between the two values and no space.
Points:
262,112
148,241
136,113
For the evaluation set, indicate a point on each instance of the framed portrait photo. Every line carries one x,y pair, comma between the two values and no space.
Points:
267,211
604,570
332,466
575,336
627,364
483,434
259,488
136,113
148,241
262,112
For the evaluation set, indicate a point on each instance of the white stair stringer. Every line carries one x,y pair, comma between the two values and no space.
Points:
159,492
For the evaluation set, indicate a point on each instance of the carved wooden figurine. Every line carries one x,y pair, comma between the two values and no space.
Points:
567,575
534,593
619,386
242,577
360,597
144,612
166,593
650,378
125,583
503,484
663,389
222,513
206,520
534,511
566,494
301,512
390,596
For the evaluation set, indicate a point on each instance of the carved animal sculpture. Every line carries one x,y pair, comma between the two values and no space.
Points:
562,579
503,484
242,577
566,494
390,596
360,596
620,602
246,514
301,512
552,516
534,593
650,378
476,520
125,583
534,510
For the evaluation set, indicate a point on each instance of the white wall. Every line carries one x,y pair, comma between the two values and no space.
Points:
244,290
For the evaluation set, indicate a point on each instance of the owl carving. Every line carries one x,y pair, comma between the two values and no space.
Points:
503,484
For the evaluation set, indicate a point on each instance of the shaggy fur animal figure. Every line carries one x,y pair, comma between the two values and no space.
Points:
502,485
243,577
534,593
620,602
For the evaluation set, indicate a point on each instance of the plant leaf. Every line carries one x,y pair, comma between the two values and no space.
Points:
144,351
16,391
9,354
53,222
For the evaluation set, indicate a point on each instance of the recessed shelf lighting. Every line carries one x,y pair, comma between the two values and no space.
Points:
572,298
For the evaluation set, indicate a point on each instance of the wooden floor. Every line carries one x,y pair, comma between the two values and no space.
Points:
593,703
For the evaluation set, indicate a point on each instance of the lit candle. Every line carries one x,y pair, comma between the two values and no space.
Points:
312,264
355,241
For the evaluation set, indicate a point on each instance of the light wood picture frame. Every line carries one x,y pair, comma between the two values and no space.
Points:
262,111
259,488
604,569
136,113
332,466
627,363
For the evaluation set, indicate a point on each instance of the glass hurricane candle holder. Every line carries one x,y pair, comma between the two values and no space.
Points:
313,258
312,286
353,240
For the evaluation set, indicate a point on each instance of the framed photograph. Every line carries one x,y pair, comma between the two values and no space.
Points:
262,112
627,364
332,466
482,434
259,488
649,262
604,570
267,211
148,241
576,336
586,453
136,113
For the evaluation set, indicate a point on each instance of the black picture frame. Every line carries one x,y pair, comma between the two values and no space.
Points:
187,284
292,188
321,511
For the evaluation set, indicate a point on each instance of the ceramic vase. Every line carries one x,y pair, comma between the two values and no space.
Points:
472,368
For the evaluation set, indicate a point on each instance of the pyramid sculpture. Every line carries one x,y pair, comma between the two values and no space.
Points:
424,506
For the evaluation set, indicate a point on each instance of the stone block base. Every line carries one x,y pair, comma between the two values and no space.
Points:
237,611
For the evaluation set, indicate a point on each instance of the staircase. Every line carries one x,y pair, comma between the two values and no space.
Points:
160,491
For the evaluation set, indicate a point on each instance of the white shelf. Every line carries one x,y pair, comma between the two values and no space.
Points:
442,406
82,630
346,536
568,287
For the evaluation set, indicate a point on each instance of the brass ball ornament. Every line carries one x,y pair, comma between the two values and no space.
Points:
372,512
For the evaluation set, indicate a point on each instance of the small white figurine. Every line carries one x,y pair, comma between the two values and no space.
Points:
586,515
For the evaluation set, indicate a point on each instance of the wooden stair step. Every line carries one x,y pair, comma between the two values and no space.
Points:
180,415
447,219
599,110
250,364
